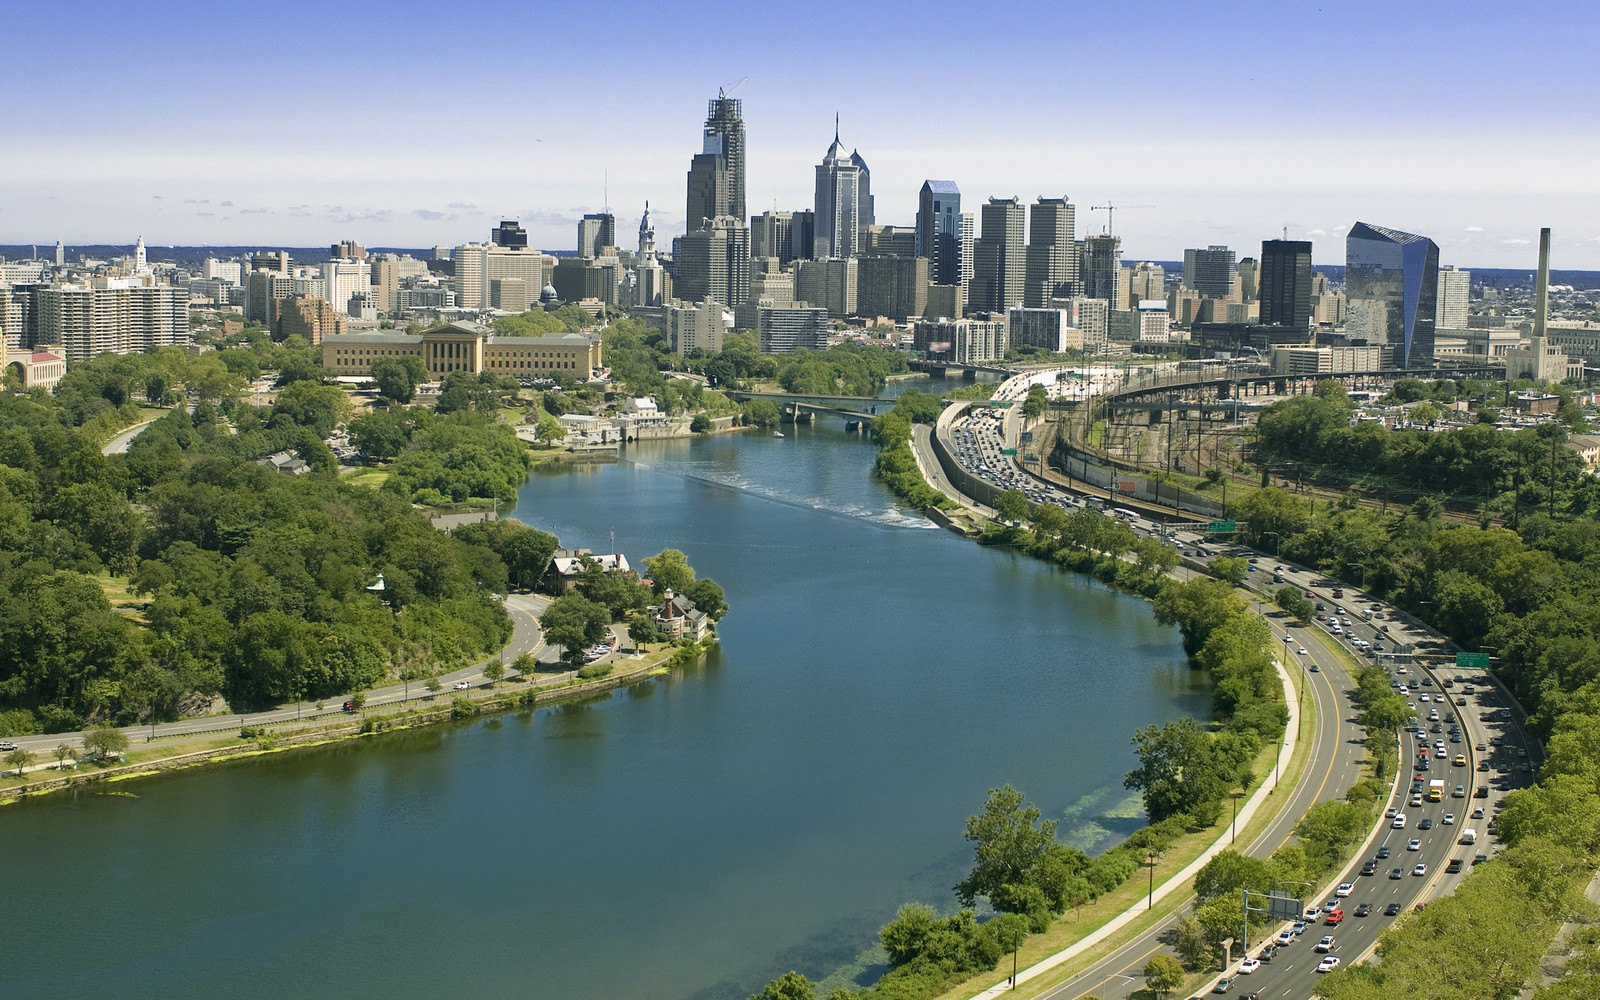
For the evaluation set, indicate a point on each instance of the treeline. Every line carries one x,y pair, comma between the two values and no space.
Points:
1503,469
256,582
895,464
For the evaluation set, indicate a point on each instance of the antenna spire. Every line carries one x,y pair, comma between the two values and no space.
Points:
836,126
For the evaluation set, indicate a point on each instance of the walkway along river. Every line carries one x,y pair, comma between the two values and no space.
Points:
691,837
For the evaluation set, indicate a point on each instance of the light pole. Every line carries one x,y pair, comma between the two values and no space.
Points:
1277,543
1236,795
1151,857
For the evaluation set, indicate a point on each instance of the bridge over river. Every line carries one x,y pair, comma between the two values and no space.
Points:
857,411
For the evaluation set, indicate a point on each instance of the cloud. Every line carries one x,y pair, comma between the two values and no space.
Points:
531,217
428,214
1316,232
341,217
155,197
253,211
197,201
225,204
1517,243
205,214
461,206
1473,229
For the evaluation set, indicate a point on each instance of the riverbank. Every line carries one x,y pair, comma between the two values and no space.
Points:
335,726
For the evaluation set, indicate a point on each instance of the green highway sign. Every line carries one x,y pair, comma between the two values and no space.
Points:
1219,526
1008,451
1472,660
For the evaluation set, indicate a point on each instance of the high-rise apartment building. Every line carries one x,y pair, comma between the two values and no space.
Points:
998,261
1147,281
1209,271
1051,268
1286,283
939,230
1050,329
344,278
478,264
714,263
1391,279
841,211
896,287
596,232
121,319
831,284
786,329
1454,289
963,341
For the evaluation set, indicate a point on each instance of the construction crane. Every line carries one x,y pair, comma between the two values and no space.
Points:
724,92
1111,209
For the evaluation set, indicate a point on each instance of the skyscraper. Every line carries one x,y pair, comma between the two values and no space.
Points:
997,266
509,233
772,235
1102,270
714,263
1209,271
1392,281
1051,270
939,230
716,174
1286,283
838,206
595,231
1454,287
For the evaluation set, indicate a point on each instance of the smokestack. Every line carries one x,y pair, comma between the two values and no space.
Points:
1541,288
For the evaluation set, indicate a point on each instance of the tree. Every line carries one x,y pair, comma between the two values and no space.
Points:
905,936
789,986
574,623
1163,974
700,424
669,570
1193,943
1294,602
103,742
1011,505
642,630
494,671
62,752
398,377
19,759
707,595
1178,769
1231,569
1010,841
526,666
433,684
547,428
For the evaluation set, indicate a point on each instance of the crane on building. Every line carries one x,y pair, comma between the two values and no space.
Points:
1110,211
724,92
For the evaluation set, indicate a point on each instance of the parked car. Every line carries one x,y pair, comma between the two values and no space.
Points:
1223,986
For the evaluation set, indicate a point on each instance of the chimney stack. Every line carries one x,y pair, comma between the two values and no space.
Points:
1541,288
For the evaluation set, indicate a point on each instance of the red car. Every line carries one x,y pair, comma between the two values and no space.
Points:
1335,917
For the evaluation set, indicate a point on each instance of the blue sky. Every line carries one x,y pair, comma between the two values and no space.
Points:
411,124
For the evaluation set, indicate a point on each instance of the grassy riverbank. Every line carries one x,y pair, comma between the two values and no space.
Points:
334,725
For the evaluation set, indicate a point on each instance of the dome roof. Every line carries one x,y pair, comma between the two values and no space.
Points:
548,294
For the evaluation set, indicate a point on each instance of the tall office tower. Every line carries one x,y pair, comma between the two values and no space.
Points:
887,241
1454,288
1541,286
803,235
1249,284
347,250
865,206
342,279
385,281
1051,270
509,233
1286,283
772,235
998,262
271,262
1102,270
714,263
596,231
141,264
1209,271
838,205
966,238
1391,279
716,173
1147,281
61,255
470,279
939,230
831,284
896,287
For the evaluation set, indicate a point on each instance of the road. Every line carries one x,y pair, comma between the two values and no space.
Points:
525,638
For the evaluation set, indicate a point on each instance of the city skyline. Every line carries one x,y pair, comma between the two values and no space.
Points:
1398,116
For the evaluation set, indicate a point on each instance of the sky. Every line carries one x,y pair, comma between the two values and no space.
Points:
414,124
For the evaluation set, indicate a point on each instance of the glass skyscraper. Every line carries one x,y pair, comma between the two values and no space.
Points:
1391,280
939,230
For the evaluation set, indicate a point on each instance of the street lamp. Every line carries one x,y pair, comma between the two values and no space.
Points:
1236,795
1151,857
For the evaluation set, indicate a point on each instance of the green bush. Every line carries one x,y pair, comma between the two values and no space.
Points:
462,707
594,671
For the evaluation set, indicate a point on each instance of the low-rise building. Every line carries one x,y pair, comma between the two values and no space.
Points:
676,617
470,347
567,565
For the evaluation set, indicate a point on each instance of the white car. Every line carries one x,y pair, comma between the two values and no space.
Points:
1302,651
1285,938
1249,965
462,685
1326,943
1448,820
1415,845
1345,889
1328,964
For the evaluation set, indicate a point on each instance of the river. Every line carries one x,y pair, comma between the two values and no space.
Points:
690,837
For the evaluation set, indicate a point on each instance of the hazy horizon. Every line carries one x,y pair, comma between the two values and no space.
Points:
301,124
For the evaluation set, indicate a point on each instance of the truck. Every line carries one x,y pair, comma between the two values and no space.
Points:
1436,790
1469,836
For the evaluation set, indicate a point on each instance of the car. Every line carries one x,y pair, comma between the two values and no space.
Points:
1328,964
1482,792
350,706
1483,765
1331,905
1310,915
1223,986
1301,651
1426,824
1316,669
1383,852
1454,867
1370,868
1285,938
1397,873
1479,859
1460,700
461,685
1326,943
1414,845
1460,760
1448,819
7,747
1288,640
1344,889
1299,928
1460,791
1423,697
1335,917
1249,965
1391,910
1268,953
1364,910
1420,869
1477,812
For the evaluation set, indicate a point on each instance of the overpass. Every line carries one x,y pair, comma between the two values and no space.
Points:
798,407
967,370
